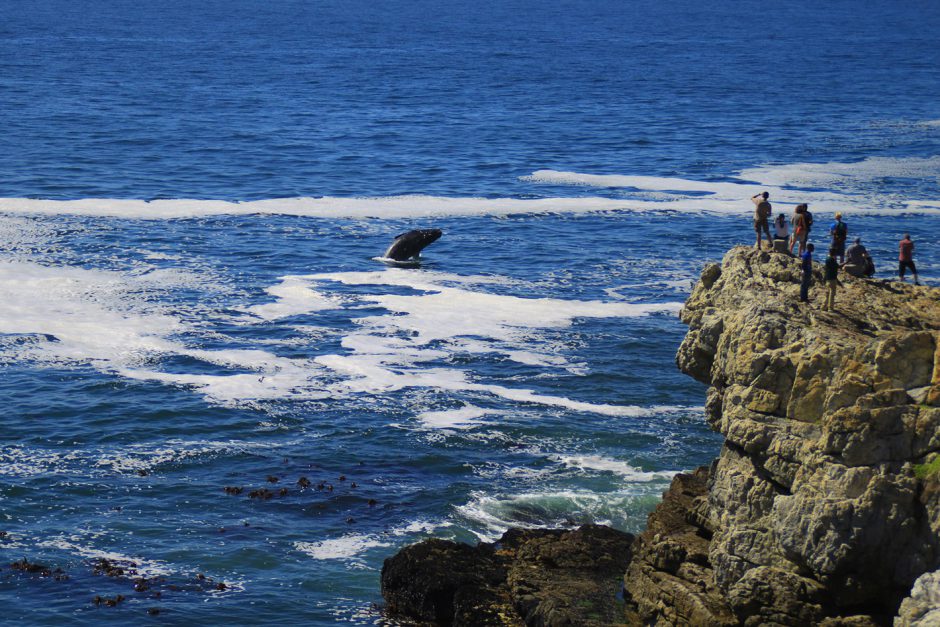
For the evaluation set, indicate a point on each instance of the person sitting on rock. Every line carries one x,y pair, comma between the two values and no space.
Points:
858,262
781,228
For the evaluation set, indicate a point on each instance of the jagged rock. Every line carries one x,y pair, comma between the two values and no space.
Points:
436,580
815,509
540,577
670,581
922,608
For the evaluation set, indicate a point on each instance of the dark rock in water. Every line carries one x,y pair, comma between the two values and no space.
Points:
109,602
26,566
437,580
534,577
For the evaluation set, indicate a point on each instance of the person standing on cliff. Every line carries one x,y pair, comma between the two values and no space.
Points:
799,229
806,264
831,275
906,258
762,211
839,231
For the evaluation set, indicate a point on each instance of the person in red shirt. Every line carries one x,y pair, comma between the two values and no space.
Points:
906,258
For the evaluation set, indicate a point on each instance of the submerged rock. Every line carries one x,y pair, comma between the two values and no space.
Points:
820,508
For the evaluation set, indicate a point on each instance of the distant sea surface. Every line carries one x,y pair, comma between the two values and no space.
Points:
212,382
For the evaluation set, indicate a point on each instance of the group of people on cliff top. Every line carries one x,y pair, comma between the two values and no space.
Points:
794,232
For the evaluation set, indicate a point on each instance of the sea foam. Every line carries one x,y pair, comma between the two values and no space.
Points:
786,182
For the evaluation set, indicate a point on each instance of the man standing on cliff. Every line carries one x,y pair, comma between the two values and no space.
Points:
839,232
906,258
806,264
762,211
831,275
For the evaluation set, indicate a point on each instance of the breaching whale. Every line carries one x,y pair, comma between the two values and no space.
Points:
408,245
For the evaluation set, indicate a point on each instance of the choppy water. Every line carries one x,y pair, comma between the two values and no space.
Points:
194,197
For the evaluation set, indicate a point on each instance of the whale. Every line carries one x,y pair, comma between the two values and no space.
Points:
409,245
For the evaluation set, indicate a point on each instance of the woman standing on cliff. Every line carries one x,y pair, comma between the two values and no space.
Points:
799,228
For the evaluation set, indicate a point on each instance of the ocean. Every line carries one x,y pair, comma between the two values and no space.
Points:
225,407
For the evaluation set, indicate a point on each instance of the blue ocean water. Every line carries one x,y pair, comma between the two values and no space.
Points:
193,198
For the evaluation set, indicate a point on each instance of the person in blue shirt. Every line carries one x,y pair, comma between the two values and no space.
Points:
806,264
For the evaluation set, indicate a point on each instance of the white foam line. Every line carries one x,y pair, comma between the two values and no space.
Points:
840,174
294,296
352,545
383,357
343,547
389,207
528,396
466,417
845,183
495,514
614,466
734,202
646,183
145,568
91,317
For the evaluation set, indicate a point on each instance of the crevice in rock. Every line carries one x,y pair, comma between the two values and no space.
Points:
759,470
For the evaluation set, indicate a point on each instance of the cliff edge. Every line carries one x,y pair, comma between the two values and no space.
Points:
824,504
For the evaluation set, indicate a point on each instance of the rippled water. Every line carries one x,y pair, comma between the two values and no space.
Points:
194,198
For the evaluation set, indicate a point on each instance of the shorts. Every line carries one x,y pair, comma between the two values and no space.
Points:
906,264
838,247
761,224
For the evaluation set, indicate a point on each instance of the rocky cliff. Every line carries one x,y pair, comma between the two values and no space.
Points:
823,507
824,504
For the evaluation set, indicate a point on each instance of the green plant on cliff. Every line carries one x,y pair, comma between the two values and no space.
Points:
930,470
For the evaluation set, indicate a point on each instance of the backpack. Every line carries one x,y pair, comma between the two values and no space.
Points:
840,231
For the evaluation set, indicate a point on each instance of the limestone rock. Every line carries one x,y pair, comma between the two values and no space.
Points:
815,511
922,608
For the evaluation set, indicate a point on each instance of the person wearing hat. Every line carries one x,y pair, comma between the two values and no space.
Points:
839,231
858,262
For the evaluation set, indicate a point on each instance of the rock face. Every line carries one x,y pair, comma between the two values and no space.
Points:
538,577
823,506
